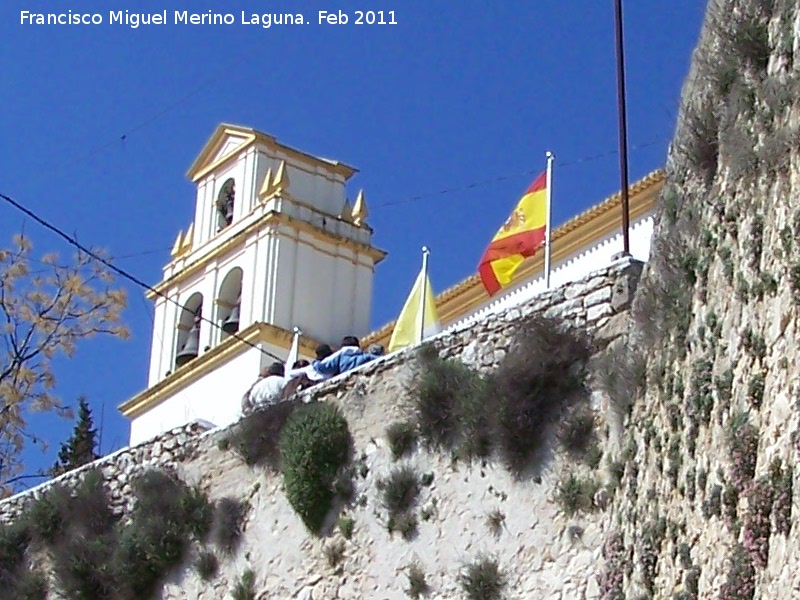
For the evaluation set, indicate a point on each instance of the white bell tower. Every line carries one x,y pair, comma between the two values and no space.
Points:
274,244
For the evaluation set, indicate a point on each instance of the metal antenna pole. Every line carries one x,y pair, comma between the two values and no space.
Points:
623,129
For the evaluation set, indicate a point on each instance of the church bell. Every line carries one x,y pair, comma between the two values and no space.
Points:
231,324
190,348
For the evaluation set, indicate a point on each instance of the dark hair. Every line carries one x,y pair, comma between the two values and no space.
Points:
350,340
323,351
276,368
300,364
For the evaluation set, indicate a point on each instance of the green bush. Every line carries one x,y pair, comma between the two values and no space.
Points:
451,406
166,515
14,574
256,436
315,444
94,555
84,545
542,374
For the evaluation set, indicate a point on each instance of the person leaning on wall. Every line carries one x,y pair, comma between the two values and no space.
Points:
267,389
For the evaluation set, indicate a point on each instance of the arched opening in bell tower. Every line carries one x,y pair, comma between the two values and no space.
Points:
187,343
224,204
229,303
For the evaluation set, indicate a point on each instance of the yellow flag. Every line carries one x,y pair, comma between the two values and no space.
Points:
408,329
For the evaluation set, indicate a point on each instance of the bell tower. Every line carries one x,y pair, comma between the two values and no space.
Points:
274,244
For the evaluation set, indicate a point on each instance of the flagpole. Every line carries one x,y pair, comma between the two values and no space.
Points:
425,253
548,194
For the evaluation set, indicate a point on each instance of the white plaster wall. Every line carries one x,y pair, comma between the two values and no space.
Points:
362,317
215,397
157,341
324,191
575,267
345,303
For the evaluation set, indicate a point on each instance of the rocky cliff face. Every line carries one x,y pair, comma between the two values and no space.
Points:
710,450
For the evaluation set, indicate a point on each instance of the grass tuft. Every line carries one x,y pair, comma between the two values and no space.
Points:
206,565
401,437
417,585
483,580
226,531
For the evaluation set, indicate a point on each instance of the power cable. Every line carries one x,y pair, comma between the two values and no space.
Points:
499,178
121,272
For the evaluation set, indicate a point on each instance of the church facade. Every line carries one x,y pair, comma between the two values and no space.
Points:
276,244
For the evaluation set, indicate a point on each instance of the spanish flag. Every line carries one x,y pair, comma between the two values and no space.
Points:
521,236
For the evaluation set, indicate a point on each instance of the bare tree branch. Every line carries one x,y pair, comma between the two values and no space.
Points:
44,313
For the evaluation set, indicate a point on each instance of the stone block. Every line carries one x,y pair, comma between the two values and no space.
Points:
622,291
593,313
610,328
598,296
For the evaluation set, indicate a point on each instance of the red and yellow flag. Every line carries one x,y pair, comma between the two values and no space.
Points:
520,237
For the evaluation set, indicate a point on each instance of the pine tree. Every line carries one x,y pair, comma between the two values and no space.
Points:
79,449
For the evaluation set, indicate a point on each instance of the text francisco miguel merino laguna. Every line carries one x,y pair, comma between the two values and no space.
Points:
183,17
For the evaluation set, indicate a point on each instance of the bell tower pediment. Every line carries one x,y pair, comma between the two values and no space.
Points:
224,144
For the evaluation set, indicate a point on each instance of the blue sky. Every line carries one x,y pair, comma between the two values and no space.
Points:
100,124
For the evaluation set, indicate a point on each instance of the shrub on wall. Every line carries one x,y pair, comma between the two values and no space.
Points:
450,402
742,438
542,373
483,579
167,515
256,436
740,583
94,555
315,444
16,578
756,533
512,409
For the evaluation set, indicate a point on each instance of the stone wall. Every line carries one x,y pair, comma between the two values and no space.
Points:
541,552
170,448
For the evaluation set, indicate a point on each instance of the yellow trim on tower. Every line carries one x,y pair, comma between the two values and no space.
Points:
271,218
204,163
220,354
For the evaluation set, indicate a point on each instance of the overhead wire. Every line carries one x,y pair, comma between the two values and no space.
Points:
500,178
121,272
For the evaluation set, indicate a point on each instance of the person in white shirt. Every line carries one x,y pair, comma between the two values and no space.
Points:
266,390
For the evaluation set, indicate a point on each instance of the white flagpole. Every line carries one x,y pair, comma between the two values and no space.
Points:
548,194
425,253
294,350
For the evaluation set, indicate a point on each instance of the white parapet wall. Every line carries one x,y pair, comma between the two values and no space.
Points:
596,257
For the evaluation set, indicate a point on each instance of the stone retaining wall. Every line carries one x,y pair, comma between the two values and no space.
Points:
597,303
